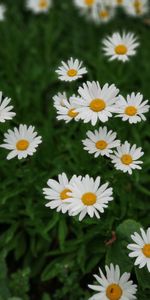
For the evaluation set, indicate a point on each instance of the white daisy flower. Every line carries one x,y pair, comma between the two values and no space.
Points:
57,192
136,8
22,141
88,197
101,142
71,70
132,108
2,12
85,5
141,248
103,13
68,112
59,99
126,158
113,285
97,103
39,6
6,112
119,46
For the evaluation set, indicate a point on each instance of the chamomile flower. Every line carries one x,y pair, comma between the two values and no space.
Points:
57,192
6,112
141,248
100,142
71,70
68,112
103,13
22,141
39,6
97,103
59,99
88,197
126,158
120,47
113,285
133,108
2,12
86,6
136,8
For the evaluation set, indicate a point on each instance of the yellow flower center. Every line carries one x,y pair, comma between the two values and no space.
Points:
101,145
137,5
131,110
146,250
89,198
126,159
89,2
121,49
103,14
97,105
22,145
72,113
43,3
64,194
119,2
72,72
114,292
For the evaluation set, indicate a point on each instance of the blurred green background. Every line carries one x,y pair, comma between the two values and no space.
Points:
45,255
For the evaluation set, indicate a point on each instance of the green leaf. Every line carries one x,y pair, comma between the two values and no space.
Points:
118,253
143,277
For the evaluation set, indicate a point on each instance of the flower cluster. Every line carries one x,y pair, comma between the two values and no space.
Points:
95,103
78,196
102,11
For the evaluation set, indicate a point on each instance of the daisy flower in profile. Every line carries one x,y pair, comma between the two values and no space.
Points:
125,158
133,108
136,8
59,99
120,47
68,112
39,6
103,13
113,285
2,12
88,197
57,192
100,142
71,70
21,141
6,112
97,103
141,248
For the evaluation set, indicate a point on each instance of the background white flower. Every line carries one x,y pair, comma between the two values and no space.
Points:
119,46
22,141
59,99
141,248
39,6
71,70
132,108
67,111
6,112
113,286
136,8
97,103
2,12
126,156
100,142
88,197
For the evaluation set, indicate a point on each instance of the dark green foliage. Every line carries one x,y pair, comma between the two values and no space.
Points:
50,256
